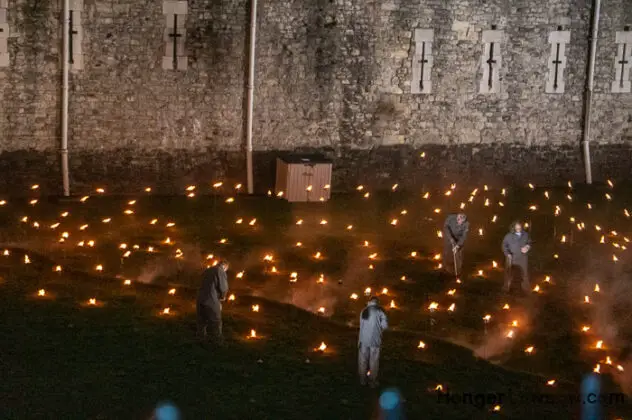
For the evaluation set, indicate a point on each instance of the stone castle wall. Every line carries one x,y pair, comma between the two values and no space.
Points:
332,75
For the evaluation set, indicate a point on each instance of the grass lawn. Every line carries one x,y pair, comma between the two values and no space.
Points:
64,358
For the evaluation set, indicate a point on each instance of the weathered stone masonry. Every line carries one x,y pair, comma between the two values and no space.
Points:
332,75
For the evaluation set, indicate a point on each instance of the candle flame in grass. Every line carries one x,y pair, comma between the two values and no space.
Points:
563,240
422,155
349,227
321,310
439,387
323,222
550,382
529,349
480,232
99,267
322,347
585,328
599,344
597,289
231,297
172,291
253,334
602,240
506,307
394,222
452,307
589,206
536,288
608,360
510,334
3,202
451,292
367,195
92,301
26,259
586,299
421,345
354,296
166,311
33,202
487,318
127,282
531,186
58,268
597,368
392,304
614,258
433,306
41,292
367,291
413,254
610,184
496,408
426,195
255,308
153,222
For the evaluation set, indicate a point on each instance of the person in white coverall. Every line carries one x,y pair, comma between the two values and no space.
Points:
372,322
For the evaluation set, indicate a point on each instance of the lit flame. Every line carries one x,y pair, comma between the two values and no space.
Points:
166,311
529,350
92,301
41,292
392,305
433,306
231,297
452,307
506,307
487,318
354,296
253,334
99,267
550,382
172,291
586,299
255,308
322,347
585,328
421,345
599,344
127,282
597,288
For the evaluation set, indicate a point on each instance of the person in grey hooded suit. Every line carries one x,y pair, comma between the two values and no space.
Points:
209,307
455,231
516,247
372,323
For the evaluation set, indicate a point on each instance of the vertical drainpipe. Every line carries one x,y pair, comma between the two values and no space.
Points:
64,99
589,89
251,94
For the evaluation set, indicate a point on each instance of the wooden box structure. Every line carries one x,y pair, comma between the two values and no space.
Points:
303,178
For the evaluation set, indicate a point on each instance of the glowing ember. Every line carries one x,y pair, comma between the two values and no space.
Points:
99,267
322,347
506,307
92,301
452,307
529,350
597,368
253,334
585,328
172,291
510,334
127,282
166,311
496,408
41,292
26,259
433,306
58,268
421,345
354,296
392,305
599,344
367,291
597,288
255,308
231,297
321,310
550,382
451,292
487,318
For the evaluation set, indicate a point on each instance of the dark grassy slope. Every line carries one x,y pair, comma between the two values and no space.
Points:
65,360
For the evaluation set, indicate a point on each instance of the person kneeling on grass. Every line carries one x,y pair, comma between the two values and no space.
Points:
372,322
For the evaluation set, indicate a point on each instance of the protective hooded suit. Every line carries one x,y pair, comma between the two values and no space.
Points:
516,246
209,308
372,322
454,235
